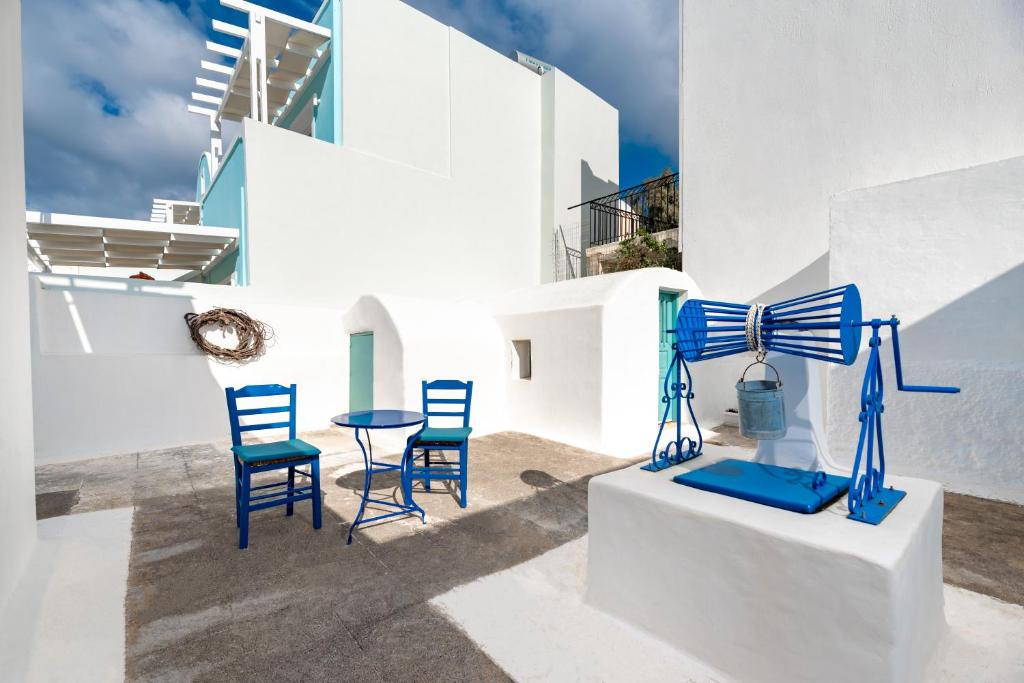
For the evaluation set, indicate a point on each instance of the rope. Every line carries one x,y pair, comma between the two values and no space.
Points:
252,334
752,328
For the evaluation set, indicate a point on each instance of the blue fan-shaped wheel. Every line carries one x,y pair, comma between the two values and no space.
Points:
849,330
691,326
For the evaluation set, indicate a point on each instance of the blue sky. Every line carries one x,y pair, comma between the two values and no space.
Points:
106,85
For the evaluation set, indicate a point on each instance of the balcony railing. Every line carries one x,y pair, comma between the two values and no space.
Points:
651,207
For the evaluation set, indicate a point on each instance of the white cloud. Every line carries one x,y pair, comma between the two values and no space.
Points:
142,55
135,56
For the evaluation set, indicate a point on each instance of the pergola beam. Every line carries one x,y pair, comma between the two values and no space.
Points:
250,8
212,85
215,67
195,109
209,99
223,49
230,29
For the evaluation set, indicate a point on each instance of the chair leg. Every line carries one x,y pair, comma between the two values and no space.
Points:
314,470
463,473
426,463
290,507
238,491
243,530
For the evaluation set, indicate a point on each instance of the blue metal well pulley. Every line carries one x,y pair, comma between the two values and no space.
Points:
825,326
822,326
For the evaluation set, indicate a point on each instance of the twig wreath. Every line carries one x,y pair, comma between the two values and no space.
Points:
253,335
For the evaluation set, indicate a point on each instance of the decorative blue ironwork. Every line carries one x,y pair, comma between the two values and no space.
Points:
824,326
367,420
868,500
713,329
673,453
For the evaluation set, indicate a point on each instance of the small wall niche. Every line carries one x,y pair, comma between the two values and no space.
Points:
521,363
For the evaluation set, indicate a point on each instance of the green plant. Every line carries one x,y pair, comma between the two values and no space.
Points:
643,251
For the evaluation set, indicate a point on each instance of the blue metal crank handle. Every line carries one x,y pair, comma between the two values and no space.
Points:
894,323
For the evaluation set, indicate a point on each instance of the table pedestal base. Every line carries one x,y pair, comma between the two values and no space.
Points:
409,507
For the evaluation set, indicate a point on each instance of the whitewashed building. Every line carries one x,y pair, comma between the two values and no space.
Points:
387,207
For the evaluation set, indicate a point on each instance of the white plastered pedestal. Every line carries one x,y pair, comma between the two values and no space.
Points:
763,594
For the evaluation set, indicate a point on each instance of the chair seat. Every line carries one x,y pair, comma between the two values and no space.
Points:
264,453
444,435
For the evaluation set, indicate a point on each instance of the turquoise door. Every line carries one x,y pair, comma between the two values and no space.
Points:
668,305
360,371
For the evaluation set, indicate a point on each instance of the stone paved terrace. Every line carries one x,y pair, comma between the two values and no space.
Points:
299,604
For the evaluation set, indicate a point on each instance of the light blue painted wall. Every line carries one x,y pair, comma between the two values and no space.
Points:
224,204
203,176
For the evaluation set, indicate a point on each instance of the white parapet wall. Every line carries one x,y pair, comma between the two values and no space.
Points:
945,253
114,370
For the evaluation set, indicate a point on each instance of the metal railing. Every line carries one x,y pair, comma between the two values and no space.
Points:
651,207
566,255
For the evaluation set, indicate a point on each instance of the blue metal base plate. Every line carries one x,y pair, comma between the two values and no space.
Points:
780,487
879,507
663,464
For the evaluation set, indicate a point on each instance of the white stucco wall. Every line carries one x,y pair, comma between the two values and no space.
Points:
446,152
580,155
419,339
594,349
330,222
785,104
17,503
944,253
396,84
115,371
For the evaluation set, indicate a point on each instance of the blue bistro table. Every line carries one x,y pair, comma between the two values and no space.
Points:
367,420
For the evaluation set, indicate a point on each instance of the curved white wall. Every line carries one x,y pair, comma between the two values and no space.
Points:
420,339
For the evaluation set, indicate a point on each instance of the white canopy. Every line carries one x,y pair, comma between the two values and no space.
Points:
287,51
91,241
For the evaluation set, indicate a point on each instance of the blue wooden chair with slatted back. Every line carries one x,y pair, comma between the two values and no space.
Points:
265,457
448,399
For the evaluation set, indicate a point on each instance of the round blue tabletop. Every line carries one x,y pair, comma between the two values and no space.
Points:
378,419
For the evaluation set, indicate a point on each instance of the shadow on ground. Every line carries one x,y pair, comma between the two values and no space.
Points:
299,604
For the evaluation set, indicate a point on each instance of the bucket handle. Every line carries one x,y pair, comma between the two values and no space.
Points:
778,377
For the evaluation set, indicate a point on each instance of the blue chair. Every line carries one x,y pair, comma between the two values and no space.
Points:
433,439
263,457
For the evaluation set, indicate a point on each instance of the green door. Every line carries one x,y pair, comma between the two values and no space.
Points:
668,305
360,371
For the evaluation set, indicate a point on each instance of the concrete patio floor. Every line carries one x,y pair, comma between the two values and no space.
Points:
299,604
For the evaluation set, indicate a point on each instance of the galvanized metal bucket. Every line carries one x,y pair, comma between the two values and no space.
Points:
762,411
